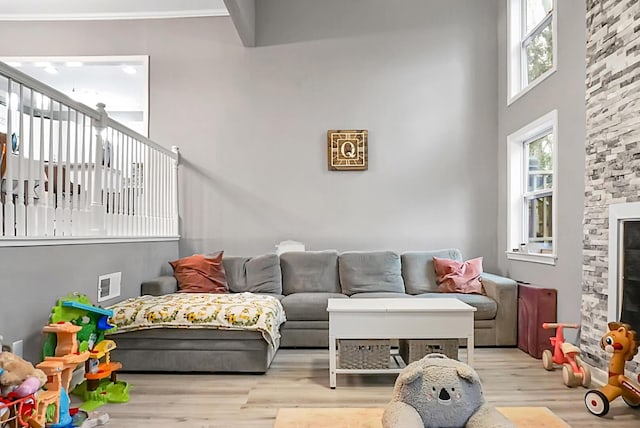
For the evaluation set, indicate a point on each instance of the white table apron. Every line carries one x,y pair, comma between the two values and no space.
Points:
396,318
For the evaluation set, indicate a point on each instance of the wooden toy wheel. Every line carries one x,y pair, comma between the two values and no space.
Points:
569,377
547,359
596,402
586,372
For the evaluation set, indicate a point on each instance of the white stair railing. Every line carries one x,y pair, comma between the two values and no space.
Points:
69,171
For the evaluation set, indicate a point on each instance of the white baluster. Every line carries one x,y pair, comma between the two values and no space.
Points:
75,194
9,208
120,183
31,197
174,194
147,190
67,191
140,190
156,193
82,169
59,189
51,180
41,211
21,212
129,194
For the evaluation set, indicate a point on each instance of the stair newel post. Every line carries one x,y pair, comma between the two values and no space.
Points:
97,208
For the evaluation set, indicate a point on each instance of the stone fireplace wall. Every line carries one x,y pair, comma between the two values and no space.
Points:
612,151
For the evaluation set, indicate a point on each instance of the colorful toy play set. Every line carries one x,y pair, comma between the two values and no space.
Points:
622,344
567,355
75,336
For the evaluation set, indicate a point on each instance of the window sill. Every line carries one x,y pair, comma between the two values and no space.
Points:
531,85
40,241
545,259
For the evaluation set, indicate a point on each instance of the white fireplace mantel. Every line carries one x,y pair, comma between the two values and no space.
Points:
617,214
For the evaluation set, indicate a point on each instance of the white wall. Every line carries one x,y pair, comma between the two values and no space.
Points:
564,91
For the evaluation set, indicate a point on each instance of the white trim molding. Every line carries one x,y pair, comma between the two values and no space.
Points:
43,241
618,213
109,16
515,188
515,61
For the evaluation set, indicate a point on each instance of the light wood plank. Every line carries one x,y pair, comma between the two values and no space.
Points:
299,378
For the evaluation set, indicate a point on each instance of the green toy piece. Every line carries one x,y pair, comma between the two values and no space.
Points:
107,392
78,315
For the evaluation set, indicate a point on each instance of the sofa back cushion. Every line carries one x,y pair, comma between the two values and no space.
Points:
418,271
259,274
310,272
370,271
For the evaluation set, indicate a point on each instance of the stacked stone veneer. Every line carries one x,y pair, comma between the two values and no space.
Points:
612,151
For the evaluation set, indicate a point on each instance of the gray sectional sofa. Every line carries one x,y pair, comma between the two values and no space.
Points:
303,282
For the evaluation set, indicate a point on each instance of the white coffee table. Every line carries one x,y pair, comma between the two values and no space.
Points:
396,318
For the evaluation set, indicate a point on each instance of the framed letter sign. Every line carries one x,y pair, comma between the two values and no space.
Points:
347,150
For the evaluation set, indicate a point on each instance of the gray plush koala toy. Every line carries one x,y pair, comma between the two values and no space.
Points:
438,392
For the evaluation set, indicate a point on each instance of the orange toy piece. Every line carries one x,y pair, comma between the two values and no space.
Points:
53,370
567,355
621,343
101,370
66,349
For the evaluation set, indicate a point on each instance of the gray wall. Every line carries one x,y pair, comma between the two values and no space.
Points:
34,278
564,91
252,123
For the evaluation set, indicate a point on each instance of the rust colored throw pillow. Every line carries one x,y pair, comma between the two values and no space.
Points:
200,274
458,277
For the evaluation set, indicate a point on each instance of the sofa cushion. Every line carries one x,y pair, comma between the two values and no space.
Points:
308,306
254,274
380,294
310,272
486,306
370,271
418,270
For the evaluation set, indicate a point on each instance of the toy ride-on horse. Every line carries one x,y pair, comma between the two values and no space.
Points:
621,343
574,373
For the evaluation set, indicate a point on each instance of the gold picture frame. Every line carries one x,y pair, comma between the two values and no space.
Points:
348,150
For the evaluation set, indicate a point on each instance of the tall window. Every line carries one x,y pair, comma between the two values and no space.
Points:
532,41
532,183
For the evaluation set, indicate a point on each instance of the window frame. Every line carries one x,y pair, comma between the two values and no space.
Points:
517,39
518,194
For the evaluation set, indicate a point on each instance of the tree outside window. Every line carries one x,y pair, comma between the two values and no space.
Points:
537,39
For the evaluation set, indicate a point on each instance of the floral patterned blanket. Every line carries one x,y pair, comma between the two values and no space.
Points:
237,311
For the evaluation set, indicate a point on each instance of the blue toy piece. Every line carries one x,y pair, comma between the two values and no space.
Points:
65,420
103,322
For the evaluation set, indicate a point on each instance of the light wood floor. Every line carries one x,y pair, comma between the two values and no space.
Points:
300,378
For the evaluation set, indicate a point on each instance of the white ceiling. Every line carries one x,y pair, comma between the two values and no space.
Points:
91,80
108,9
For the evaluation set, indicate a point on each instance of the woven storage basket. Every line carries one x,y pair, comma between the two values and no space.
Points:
412,350
363,354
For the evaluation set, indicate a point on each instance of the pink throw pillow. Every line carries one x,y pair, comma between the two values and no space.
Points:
458,277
